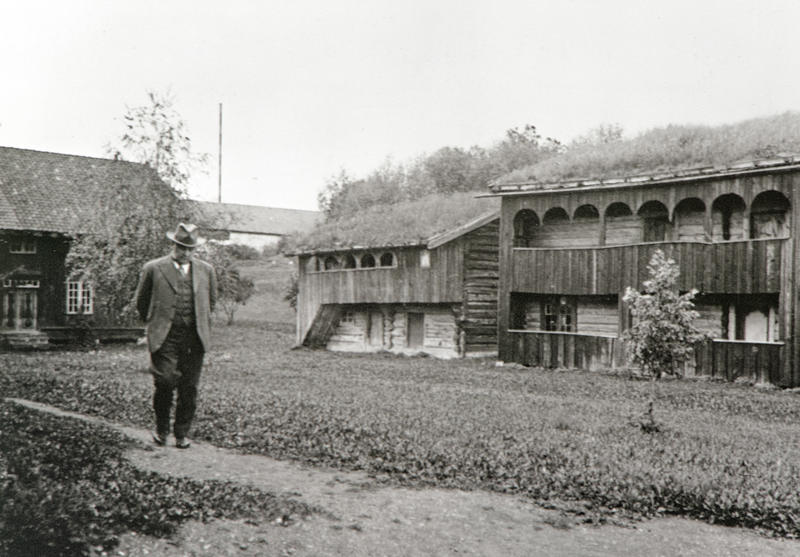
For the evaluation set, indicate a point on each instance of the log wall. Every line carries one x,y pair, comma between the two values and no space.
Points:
481,272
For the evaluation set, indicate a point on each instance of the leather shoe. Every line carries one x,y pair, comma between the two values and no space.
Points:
182,443
159,439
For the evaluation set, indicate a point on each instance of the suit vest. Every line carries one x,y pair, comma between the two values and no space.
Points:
184,301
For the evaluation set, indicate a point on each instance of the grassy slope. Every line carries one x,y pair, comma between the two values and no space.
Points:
727,453
670,148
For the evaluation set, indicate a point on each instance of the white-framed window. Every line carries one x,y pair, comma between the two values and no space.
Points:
22,245
80,298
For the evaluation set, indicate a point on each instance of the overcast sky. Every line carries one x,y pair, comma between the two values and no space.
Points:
312,87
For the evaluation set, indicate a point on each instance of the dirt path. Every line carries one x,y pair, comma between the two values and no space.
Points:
367,519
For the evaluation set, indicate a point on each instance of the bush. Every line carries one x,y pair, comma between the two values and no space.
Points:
241,251
662,336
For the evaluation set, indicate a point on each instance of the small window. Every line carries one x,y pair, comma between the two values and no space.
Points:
559,315
22,245
564,317
550,317
347,317
349,261
367,261
387,259
424,259
80,298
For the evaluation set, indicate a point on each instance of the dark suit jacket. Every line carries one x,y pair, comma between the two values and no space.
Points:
156,296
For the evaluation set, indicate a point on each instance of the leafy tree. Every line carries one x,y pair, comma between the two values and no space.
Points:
663,335
291,291
447,170
125,230
132,211
521,148
233,290
600,135
155,134
329,199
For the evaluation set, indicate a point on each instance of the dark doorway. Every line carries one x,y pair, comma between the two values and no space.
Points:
416,330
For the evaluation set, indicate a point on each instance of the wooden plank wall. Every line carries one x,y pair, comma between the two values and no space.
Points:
744,267
580,232
565,350
408,282
730,361
598,318
481,275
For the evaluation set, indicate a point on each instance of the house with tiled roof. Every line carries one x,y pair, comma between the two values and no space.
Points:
254,225
44,200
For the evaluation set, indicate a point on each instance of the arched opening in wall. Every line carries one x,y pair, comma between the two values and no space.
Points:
555,229
555,215
622,227
769,215
585,230
655,221
727,218
526,224
367,261
349,261
331,263
689,220
387,259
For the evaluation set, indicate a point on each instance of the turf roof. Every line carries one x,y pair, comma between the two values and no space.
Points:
669,148
407,223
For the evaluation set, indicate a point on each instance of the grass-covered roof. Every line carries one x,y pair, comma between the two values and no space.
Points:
673,147
410,222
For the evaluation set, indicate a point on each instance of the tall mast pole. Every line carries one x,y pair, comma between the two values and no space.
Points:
219,183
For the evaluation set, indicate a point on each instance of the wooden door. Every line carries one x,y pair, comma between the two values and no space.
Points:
416,330
20,308
375,328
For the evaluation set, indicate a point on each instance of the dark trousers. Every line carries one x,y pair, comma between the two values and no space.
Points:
176,365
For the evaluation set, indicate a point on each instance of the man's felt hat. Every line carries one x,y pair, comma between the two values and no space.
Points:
186,235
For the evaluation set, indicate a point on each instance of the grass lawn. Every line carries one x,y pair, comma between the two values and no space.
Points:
725,453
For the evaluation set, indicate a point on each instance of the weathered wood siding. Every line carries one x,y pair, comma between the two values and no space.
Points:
622,230
752,361
407,282
565,350
742,267
597,318
710,320
372,329
481,272
729,360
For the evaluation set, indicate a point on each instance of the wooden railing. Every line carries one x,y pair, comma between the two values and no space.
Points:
726,267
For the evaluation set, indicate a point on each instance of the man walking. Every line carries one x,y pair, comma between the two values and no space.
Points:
175,298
